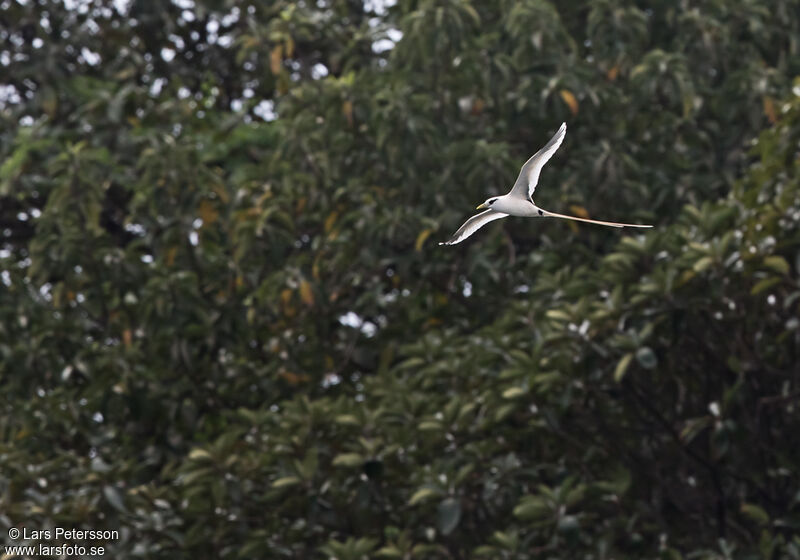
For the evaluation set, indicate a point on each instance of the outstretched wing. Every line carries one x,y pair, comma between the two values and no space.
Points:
529,174
587,220
472,225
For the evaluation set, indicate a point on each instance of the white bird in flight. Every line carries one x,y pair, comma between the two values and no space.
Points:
519,200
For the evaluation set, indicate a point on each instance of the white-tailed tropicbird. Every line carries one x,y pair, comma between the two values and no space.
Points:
519,200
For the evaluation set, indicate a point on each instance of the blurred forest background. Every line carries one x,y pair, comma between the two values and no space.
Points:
226,328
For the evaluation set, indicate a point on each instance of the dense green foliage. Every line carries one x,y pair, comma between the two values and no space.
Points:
235,337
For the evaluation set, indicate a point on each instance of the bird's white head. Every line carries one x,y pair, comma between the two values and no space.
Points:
488,203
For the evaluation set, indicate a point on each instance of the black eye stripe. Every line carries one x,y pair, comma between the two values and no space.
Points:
491,202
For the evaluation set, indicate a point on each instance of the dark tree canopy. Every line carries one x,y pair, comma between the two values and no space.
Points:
227,329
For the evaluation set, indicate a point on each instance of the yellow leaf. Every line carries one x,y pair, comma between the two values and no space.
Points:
300,205
570,100
433,322
127,338
685,277
207,212
613,72
330,220
286,296
289,42
769,109
347,109
170,256
579,211
49,100
283,83
221,193
263,198
423,235
306,294
276,59
293,378
250,42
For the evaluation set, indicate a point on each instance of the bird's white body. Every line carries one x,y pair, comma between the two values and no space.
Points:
519,201
513,206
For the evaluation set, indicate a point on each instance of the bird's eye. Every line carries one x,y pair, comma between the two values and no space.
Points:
492,202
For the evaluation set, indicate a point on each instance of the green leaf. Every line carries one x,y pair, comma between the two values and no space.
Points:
363,546
389,551
702,264
693,427
508,540
448,515
777,263
504,411
422,495
765,285
286,481
557,315
670,554
617,486
532,508
568,524
575,495
13,164
514,392
348,460
622,367
198,454
347,420
755,513
114,498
